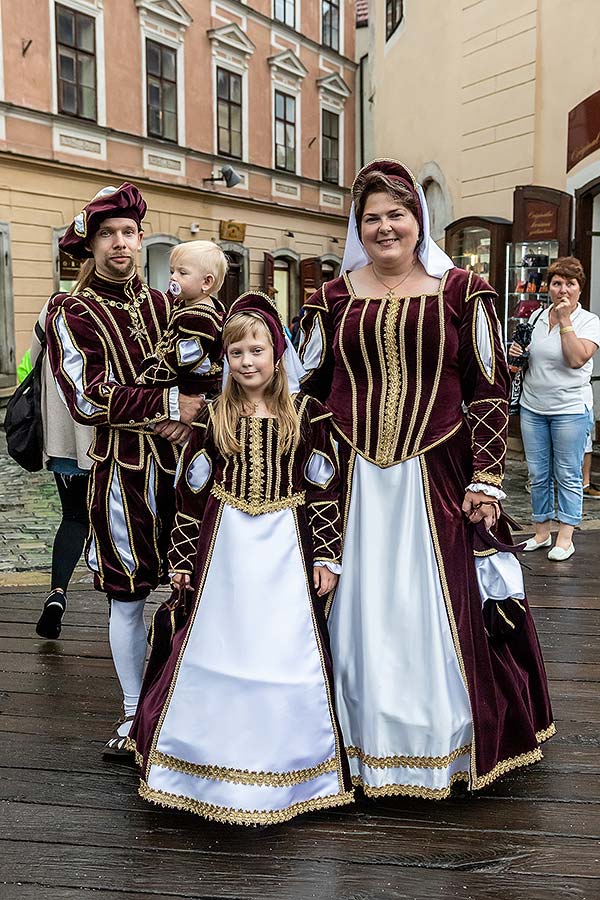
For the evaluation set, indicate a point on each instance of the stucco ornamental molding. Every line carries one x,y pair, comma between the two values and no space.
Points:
159,160
288,70
85,143
230,44
333,90
165,17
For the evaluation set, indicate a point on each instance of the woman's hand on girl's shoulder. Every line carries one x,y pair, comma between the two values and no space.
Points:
324,580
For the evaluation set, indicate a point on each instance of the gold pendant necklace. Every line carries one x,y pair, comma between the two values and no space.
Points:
390,289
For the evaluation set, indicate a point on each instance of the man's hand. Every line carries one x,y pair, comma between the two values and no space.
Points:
189,408
175,432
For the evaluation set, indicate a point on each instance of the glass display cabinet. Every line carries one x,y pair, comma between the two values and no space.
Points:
478,244
527,279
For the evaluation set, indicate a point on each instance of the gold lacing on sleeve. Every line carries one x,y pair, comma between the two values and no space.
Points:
243,776
412,762
326,528
232,816
184,543
489,420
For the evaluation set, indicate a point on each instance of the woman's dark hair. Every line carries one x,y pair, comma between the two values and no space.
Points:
378,183
567,267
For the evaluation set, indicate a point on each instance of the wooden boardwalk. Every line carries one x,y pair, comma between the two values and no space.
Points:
73,827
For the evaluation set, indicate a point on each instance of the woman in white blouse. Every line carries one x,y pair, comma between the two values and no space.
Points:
557,406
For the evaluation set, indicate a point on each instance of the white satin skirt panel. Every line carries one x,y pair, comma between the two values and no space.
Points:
402,703
250,695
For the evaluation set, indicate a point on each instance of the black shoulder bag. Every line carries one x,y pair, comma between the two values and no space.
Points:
23,420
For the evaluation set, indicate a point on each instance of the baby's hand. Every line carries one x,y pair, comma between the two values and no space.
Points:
324,580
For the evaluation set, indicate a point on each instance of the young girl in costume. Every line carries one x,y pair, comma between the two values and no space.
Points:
238,725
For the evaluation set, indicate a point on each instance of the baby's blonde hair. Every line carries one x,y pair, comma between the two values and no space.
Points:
229,407
207,254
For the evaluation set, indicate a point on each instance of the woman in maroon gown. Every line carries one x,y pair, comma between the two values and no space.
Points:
405,349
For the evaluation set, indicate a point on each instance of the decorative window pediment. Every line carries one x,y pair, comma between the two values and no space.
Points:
287,69
333,89
230,42
166,18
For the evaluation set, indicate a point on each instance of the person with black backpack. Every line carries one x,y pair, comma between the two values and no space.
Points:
64,453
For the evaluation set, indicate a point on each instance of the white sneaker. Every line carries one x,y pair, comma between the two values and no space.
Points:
558,554
532,544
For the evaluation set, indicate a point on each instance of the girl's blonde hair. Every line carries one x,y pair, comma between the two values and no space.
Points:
209,257
229,407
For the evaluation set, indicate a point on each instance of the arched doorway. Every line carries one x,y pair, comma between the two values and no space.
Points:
236,280
156,250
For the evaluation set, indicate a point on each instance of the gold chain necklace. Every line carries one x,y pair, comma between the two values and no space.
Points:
137,329
392,288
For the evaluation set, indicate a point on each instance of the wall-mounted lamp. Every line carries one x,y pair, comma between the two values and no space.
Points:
228,175
289,234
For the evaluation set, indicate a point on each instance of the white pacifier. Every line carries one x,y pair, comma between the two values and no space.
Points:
174,288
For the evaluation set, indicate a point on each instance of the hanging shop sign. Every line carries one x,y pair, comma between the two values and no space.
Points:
584,130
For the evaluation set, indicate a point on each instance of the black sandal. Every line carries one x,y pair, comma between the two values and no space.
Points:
50,621
115,745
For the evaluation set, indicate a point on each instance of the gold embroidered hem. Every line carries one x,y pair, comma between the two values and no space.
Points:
546,734
259,507
231,816
243,776
130,745
412,762
507,765
409,790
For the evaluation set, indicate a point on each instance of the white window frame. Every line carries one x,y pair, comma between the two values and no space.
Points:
340,48
95,9
173,44
330,107
235,69
297,95
297,20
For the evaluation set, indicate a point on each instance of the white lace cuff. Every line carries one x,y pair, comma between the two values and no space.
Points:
488,489
174,404
335,568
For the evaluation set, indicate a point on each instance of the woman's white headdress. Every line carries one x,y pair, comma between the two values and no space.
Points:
434,260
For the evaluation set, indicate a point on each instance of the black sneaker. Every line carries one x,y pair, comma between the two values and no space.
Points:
49,623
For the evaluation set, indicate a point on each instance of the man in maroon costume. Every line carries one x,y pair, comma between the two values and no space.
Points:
97,340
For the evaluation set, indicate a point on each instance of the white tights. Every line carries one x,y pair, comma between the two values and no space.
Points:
127,638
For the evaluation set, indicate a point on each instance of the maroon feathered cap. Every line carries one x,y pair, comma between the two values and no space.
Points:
262,305
124,202
397,172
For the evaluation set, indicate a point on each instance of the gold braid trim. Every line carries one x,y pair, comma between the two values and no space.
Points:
243,776
409,790
131,745
259,507
232,816
546,734
487,478
507,765
412,762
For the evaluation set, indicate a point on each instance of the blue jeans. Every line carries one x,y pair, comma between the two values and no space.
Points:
554,447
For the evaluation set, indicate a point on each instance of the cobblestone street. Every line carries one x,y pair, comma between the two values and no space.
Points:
30,512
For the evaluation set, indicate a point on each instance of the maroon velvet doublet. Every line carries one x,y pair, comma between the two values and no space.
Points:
97,341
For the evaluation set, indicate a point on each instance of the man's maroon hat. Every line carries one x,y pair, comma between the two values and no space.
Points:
261,305
124,202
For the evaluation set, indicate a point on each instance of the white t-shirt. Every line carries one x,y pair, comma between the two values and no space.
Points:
551,387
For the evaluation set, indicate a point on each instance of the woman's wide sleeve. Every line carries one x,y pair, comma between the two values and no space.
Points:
322,485
193,481
485,381
316,345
